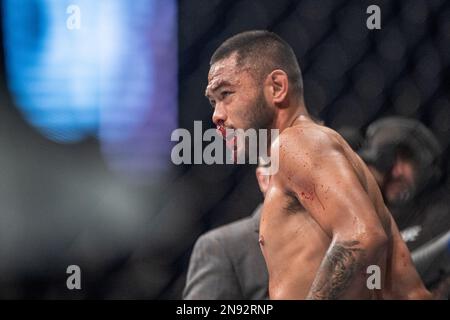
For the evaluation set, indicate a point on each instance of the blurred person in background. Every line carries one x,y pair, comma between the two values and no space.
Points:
405,158
227,262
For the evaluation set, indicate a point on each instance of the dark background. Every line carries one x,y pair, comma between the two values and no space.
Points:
61,205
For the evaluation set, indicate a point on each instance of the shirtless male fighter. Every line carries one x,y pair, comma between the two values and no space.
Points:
323,221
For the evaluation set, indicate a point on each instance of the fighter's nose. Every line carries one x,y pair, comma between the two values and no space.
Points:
219,116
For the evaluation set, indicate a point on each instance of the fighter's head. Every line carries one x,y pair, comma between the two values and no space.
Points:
252,74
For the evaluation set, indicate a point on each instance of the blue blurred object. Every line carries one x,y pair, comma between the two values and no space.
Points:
99,79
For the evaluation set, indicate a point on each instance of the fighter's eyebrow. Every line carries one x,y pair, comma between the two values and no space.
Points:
214,86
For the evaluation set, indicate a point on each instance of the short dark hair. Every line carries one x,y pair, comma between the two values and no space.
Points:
264,52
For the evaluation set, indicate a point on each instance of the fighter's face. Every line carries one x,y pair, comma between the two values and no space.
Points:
238,101
400,182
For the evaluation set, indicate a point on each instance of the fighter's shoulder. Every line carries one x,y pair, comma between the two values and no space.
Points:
307,140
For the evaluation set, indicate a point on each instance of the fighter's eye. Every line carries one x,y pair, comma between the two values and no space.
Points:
212,102
225,94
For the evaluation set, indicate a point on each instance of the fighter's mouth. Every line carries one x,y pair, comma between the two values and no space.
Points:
228,135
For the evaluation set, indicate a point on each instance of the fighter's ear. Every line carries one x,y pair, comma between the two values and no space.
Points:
279,82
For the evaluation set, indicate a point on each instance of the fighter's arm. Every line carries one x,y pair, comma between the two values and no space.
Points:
324,181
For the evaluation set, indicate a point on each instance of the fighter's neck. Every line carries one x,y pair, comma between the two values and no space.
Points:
286,117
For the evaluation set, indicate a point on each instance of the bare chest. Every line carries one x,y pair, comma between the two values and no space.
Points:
287,228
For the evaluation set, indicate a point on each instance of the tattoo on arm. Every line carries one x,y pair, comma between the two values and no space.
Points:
337,270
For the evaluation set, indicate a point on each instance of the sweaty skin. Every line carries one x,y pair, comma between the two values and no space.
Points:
324,222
